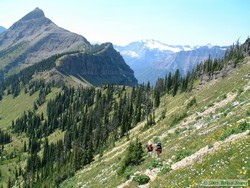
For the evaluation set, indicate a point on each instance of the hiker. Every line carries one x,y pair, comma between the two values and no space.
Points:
158,149
150,148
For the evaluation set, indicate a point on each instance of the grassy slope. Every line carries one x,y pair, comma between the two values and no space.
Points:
12,54
220,105
10,109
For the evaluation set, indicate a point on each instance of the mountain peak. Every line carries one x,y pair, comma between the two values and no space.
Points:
2,29
35,14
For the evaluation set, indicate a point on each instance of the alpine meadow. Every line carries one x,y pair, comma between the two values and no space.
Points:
77,114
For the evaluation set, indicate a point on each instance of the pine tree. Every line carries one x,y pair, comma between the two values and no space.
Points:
156,98
24,147
168,82
176,82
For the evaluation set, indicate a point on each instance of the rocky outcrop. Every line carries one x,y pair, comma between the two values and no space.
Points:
101,65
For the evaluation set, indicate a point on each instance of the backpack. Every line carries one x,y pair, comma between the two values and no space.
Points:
150,147
158,145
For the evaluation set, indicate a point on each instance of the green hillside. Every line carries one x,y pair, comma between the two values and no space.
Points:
210,140
55,135
11,108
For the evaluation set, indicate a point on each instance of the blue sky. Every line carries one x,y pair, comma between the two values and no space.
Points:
193,22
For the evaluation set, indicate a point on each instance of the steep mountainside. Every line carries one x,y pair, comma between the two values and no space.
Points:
2,29
35,37
204,135
52,135
151,59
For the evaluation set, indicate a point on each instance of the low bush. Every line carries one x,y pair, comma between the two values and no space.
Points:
155,164
210,105
191,103
239,129
224,96
165,169
182,153
141,179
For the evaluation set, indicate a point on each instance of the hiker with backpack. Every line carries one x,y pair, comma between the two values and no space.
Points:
150,148
158,149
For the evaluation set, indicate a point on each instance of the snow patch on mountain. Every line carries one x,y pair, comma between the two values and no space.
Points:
154,44
130,53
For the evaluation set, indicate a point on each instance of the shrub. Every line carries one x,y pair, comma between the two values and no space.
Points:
141,179
133,156
177,131
163,114
224,96
239,91
128,172
155,164
239,129
225,114
202,110
210,146
242,127
198,118
210,105
191,103
182,153
165,169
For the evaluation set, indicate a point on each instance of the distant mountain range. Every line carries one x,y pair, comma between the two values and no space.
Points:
151,59
35,37
2,29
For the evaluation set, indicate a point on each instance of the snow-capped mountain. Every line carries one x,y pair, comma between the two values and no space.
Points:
154,44
2,29
151,59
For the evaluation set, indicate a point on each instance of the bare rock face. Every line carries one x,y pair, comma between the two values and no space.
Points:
101,65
